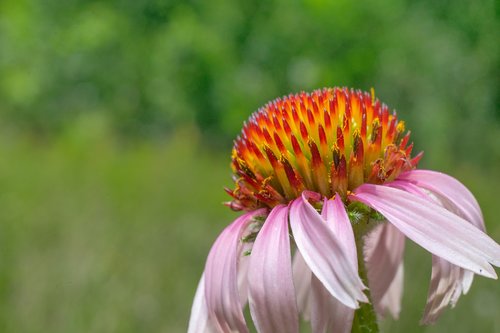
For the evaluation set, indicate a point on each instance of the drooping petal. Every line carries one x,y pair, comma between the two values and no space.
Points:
448,281
467,281
325,255
458,196
383,251
455,197
434,228
271,291
391,301
336,218
328,314
445,285
199,321
221,276
302,282
459,285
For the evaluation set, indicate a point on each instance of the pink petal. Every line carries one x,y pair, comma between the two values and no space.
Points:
336,218
433,227
270,282
383,251
467,281
412,188
458,196
445,285
221,278
302,282
459,289
199,321
325,255
328,314
455,197
391,301
448,281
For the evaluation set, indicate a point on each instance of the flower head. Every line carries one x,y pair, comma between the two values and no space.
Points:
334,167
330,141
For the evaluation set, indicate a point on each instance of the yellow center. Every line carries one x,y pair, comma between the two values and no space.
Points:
328,141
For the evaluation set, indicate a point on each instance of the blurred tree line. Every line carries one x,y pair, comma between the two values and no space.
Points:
144,68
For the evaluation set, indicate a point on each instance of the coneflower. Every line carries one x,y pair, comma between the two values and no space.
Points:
330,191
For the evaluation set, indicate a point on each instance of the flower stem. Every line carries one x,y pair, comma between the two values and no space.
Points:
365,318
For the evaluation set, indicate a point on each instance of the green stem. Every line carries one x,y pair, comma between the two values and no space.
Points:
365,318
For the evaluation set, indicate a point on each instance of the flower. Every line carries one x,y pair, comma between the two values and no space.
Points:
324,179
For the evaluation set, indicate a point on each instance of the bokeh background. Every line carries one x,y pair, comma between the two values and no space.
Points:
117,119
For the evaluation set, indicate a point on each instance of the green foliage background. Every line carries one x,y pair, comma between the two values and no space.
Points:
116,123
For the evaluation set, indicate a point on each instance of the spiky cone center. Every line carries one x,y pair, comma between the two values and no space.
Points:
328,141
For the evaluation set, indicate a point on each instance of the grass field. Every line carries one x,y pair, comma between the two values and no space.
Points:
101,237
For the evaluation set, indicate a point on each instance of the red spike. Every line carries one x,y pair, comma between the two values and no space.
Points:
376,109
328,121
285,112
302,106
292,176
310,118
303,131
267,137
230,192
332,105
385,116
296,146
321,98
358,146
315,109
276,123
336,156
345,123
249,180
338,177
392,127
295,115
279,143
340,139
376,135
237,206
363,122
256,150
355,176
348,108
414,161
286,127
404,141
323,142
271,157
318,169
243,167
409,149
309,100
266,121
257,130
322,135
315,155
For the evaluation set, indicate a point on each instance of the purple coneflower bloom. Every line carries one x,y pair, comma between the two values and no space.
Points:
330,192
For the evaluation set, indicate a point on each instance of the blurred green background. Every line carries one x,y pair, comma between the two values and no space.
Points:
117,119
